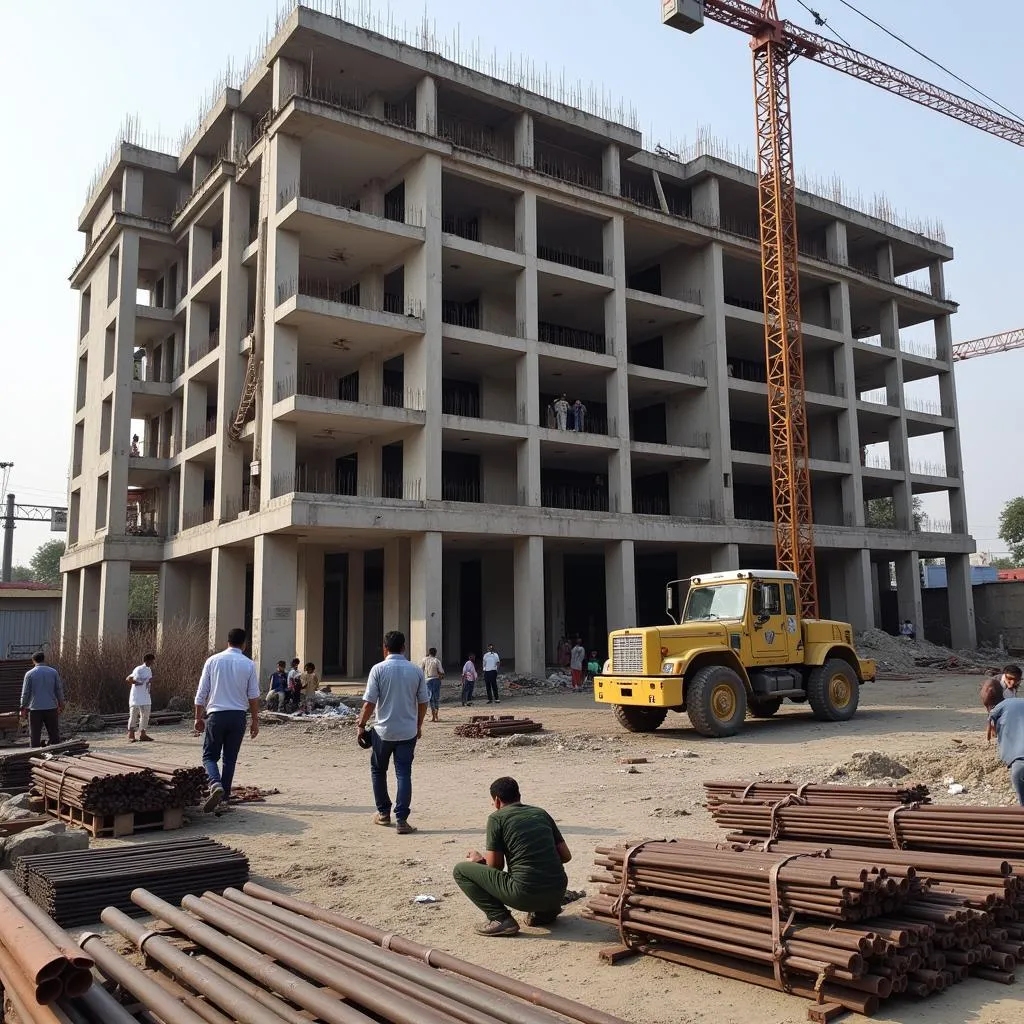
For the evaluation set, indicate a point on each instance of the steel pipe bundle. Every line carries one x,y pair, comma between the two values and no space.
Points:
75,887
985,831
855,796
155,718
507,725
187,785
260,961
16,765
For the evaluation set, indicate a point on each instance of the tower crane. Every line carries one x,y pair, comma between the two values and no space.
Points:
776,44
1005,342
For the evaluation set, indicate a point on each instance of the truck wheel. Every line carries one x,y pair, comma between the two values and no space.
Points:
765,708
716,701
636,719
833,691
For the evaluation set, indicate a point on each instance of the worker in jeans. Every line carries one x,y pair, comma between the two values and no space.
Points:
42,700
524,840
1006,724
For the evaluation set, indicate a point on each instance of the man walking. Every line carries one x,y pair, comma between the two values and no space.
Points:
140,698
397,691
42,700
491,663
527,841
1006,723
433,672
228,686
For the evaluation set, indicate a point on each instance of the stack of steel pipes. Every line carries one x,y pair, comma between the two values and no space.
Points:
984,831
12,677
98,786
855,796
259,957
507,725
16,766
155,718
187,785
74,887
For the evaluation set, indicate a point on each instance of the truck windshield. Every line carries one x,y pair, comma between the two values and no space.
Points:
721,601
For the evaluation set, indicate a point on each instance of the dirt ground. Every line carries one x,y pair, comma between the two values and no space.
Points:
316,838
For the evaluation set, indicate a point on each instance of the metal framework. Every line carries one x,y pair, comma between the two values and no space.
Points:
55,515
1005,342
776,44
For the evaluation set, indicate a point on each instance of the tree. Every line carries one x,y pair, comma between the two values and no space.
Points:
1006,563
44,566
21,574
142,596
1011,528
880,514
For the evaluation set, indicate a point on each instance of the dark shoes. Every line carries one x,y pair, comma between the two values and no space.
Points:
382,819
540,918
506,927
403,828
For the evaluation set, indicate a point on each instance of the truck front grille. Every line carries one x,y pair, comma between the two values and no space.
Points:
628,654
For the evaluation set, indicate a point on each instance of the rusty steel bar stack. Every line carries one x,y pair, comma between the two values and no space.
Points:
16,765
856,796
486,727
187,785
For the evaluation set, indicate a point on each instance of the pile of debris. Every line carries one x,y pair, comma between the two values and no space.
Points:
899,655
487,726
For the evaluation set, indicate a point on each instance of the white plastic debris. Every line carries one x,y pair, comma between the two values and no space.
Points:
426,898
955,789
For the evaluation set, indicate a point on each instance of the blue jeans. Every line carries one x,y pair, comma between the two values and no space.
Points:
380,758
224,733
434,689
467,690
1017,780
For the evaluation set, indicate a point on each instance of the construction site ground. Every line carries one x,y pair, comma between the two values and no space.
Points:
316,838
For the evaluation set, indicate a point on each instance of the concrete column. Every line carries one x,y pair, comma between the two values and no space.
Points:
425,595
131,191
555,605
725,558
836,244
309,610
368,468
241,135
289,77
426,105
528,471
620,584
620,480
704,202
951,437
899,448
884,261
371,379
199,597
227,596
908,589
375,105
397,555
529,605
937,277
172,601
524,140
356,584
113,617
611,169
846,379
89,603
962,625
70,601
859,590
371,198
274,598
713,407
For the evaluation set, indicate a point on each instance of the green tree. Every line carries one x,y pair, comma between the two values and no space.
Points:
21,574
45,563
1006,563
142,596
1011,528
880,514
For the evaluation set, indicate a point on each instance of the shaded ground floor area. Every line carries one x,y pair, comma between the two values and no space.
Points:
329,597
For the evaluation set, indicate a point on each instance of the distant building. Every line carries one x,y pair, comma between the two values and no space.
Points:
29,617
1011,575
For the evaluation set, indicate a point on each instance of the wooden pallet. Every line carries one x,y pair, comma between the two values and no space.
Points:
115,825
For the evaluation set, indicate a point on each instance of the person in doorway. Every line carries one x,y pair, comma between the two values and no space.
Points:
433,672
491,664
562,413
579,416
576,659
593,667
42,700
135,445
1010,681
228,688
1006,723
310,684
469,677
277,696
907,630
396,693
293,698
523,867
140,698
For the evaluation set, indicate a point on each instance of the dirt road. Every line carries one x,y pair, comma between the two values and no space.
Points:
316,838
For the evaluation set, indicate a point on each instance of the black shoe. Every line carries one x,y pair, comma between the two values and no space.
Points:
540,918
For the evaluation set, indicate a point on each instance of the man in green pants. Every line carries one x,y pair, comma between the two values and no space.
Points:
526,840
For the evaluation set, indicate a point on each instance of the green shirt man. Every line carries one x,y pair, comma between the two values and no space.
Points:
526,841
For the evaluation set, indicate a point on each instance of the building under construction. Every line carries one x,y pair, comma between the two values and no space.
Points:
323,352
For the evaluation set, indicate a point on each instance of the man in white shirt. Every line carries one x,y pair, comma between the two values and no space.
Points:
227,687
140,699
396,692
491,663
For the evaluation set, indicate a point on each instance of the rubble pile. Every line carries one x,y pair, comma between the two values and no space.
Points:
897,654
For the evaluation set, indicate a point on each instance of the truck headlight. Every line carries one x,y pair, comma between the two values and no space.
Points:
669,668
607,670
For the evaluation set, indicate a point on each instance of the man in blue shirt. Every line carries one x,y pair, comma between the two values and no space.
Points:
397,691
1006,722
278,687
42,700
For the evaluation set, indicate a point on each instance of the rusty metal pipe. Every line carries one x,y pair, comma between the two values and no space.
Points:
35,954
250,988
324,1004
131,979
53,931
206,1010
437,959
235,1003
41,993
21,993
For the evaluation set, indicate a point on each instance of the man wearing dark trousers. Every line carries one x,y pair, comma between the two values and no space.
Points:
227,688
527,841
396,690
42,700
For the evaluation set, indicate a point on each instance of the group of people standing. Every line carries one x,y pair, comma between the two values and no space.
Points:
573,656
490,663
292,689
565,415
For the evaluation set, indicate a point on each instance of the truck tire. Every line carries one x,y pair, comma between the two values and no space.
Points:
833,691
716,701
637,719
764,708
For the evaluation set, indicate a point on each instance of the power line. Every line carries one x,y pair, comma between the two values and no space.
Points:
931,60
822,22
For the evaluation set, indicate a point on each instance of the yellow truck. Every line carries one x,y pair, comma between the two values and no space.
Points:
738,646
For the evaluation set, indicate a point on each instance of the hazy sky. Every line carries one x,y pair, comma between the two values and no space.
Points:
73,70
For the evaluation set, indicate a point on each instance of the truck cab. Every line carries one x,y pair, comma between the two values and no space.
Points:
737,646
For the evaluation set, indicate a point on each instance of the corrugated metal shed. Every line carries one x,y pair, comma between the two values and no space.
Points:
29,616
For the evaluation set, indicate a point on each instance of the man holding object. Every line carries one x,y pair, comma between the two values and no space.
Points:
227,687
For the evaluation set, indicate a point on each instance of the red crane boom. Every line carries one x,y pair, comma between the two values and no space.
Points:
1005,342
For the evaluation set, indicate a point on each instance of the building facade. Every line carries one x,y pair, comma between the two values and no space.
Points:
323,349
